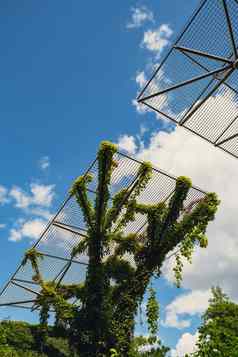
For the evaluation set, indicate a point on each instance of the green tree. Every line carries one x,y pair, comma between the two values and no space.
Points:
115,286
218,334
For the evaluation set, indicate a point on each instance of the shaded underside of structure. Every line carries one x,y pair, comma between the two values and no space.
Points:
67,229
196,84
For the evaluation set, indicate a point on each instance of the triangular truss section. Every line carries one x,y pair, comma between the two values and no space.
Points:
67,229
196,85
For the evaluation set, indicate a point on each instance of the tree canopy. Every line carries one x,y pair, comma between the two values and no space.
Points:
218,334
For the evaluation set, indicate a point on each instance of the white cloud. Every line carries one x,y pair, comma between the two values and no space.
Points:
41,195
40,212
186,344
182,153
140,15
44,163
2,225
29,229
35,206
15,235
33,229
141,79
192,303
22,200
140,108
127,143
3,195
157,40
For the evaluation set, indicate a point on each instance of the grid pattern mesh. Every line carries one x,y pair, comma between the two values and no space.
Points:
67,229
196,85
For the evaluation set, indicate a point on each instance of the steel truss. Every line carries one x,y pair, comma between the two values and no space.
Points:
67,228
196,85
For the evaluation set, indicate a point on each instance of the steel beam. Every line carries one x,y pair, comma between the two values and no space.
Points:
22,307
230,29
18,302
225,130
25,281
206,69
61,258
67,267
60,272
189,81
227,139
25,288
194,15
229,72
203,54
68,228
197,99
195,61
161,172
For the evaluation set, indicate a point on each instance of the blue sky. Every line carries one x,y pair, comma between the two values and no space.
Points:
69,73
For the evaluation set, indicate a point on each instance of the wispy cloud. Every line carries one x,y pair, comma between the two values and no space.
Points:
192,303
140,15
3,195
15,235
44,163
141,79
157,40
29,228
40,195
34,207
154,41
127,143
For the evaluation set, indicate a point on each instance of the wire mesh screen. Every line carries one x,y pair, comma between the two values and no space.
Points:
196,85
67,229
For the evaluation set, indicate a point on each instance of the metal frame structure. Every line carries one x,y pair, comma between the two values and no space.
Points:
67,228
196,84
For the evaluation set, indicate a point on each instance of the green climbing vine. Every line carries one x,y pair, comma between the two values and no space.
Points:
152,313
33,256
121,266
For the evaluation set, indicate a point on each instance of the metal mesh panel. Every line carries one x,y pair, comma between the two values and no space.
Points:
71,215
211,119
67,229
17,294
180,69
232,8
196,84
76,274
125,173
208,30
231,145
48,266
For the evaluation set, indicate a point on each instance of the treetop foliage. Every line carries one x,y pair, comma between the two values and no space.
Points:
218,334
